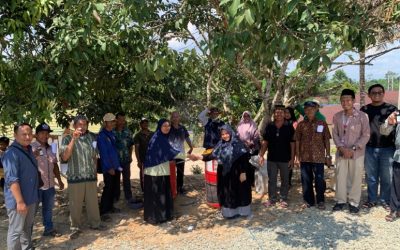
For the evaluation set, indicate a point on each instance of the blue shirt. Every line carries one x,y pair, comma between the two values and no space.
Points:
19,168
108,151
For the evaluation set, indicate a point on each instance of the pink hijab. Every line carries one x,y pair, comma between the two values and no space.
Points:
248,131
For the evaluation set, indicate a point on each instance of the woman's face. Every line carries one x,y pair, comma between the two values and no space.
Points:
246,117
225,135
165,127
287,115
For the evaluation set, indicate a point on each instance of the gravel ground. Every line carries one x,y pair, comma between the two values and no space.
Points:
197,226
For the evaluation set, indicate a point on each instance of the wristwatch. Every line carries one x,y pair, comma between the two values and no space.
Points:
354,148
328,157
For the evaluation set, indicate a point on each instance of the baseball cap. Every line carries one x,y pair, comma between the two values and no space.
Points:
109,117
43,127
144,119
310,104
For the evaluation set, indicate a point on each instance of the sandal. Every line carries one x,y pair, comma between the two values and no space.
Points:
321,206
305,206
392,216
369,205
269,203
284,204
386,207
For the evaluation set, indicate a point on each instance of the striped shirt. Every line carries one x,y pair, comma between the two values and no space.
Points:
82,163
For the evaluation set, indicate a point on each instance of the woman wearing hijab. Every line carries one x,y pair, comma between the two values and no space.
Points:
247,132
158,202
233,187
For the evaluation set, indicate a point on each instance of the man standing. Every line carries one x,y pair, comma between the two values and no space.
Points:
124,143
4,143
313,151
110,164
79,150
380,149
177,137
278,139
21,188
350,133
48,168
212,125
141,141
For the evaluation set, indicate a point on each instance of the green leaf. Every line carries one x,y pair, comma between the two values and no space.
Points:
239,19
249,16
233,9
291,6
100,6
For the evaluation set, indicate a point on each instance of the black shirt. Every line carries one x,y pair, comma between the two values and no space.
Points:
377,115
279,142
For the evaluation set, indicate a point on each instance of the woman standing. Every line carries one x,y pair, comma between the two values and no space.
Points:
233,187
158,203
247,132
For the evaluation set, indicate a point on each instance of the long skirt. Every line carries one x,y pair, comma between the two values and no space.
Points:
158,202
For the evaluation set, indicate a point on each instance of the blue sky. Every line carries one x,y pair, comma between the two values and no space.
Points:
380,66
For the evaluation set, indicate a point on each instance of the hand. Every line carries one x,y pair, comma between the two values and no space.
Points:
194,157
22,208
347,153
61,184
111,171
190,151
392,119
291,163
242,177
36,153
297,162
76,134
261,160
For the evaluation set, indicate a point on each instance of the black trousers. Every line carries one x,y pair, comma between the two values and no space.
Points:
126,182
111,183
395,188
180,173
313,172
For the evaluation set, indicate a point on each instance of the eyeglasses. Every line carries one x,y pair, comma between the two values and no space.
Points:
376,93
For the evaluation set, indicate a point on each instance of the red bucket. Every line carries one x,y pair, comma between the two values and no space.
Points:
211,183
172,178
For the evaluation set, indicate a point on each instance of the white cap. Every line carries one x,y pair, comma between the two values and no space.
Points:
109,117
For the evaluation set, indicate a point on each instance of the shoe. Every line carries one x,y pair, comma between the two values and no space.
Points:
368,205
386,206
52,233
181,190
305,206
105,218
135,205
100,227
75,234
269,203
115,210
133,201
321,206
353,209
338,207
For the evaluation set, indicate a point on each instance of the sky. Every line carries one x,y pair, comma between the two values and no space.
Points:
377,70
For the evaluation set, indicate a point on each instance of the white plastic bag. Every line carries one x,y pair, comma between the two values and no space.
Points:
261,179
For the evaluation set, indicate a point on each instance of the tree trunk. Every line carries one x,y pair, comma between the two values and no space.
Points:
362,78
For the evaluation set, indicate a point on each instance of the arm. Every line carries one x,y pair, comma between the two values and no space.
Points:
203,117
16,192
189,143
365,132
57,174
292,154
68,149
264,147
335,133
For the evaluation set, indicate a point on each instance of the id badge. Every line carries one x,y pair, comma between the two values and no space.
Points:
320,128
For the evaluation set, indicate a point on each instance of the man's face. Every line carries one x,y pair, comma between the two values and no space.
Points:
175,118
310,112
279,114
3,146
81,125
42,136
214,114
376,94
24,135
144,125
347,102
121,121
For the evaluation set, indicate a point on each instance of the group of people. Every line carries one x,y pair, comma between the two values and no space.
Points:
365,138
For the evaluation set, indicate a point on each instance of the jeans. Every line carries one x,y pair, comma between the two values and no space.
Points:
395,188
111,182
126,182
273,168
46,197
312,172
180,172
378,168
